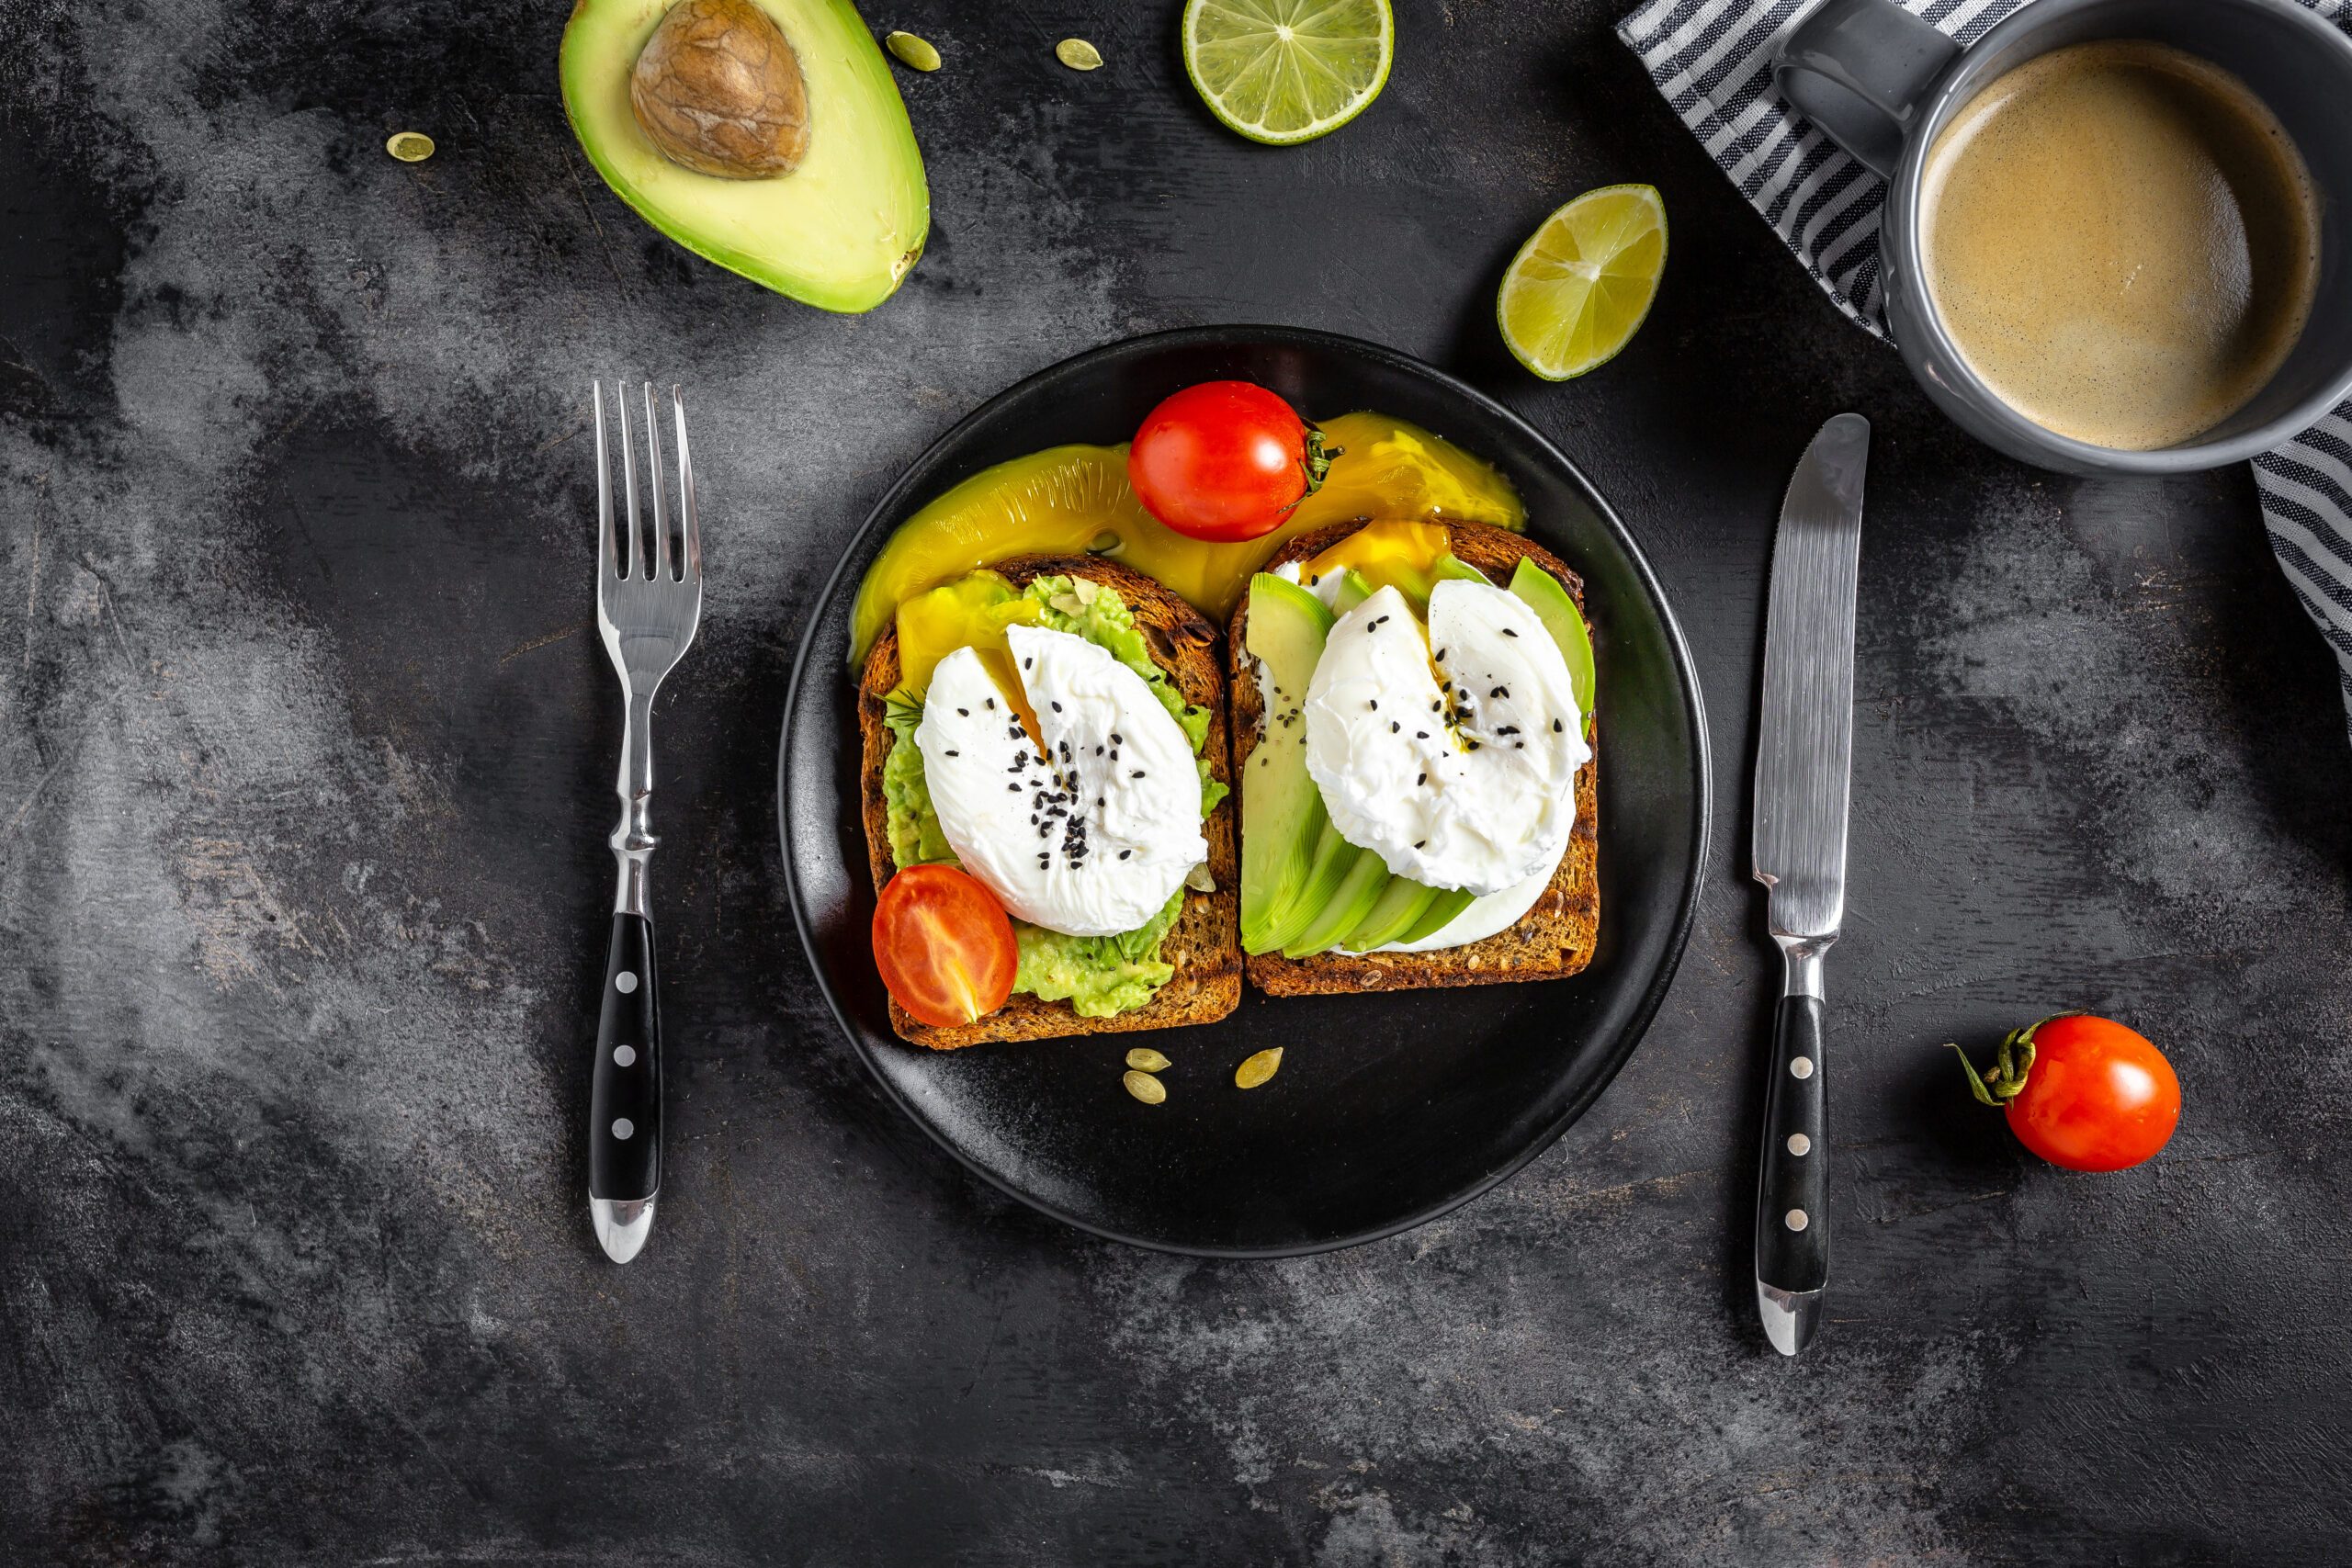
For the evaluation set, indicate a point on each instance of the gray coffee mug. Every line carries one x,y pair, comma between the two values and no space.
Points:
1882,84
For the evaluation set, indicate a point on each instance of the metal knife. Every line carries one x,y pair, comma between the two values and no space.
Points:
1804,756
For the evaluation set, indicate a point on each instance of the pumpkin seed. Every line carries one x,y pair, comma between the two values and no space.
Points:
1199,880
1144,1059
1258,1068
1146,1087
912,51
1078,54
409,146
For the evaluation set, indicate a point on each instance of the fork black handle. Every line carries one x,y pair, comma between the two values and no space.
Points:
624,1094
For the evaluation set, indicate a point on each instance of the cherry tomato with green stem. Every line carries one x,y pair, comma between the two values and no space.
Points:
2082,1092
1226,461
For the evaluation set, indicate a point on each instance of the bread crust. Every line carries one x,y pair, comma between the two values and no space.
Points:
1552,940
1204,944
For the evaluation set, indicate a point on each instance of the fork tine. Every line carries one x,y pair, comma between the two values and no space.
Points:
660,488
693,523
628,482
605,567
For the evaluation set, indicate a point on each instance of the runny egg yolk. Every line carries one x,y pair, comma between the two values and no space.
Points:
1388,555
972,612
1075,500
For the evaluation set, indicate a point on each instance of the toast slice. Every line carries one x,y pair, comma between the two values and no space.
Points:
1552,940
1204,944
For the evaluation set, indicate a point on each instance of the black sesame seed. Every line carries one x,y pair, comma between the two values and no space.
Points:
1440,655
1420,735
1098,750
1138,773
1472,745
1013,787
1421,843
1029,664
992,702
1376,704
1115,738
1508,729
1394,727
1555,726
955,754
1507,632
966,712
1057,707
1422,780
1125,853
1500,692
1518,745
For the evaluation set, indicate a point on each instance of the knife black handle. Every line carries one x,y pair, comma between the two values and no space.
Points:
1792,1184
625,1093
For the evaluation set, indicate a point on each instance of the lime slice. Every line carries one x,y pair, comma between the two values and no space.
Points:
1579,289
1286,71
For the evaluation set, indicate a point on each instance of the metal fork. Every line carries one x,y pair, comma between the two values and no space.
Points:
647,610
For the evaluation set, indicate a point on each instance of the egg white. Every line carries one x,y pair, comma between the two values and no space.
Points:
1461,776
1094,835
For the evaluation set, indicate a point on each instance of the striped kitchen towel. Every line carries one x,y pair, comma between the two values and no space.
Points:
1713,60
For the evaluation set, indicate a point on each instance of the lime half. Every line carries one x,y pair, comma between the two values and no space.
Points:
1579,289
1286,71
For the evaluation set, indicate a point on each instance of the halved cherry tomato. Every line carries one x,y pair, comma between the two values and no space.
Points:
2082,1093
1225,460
944,945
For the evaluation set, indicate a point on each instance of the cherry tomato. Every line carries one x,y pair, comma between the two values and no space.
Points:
1225,460
944,945
2082,1093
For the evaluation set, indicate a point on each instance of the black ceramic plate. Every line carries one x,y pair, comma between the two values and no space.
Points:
1389,1110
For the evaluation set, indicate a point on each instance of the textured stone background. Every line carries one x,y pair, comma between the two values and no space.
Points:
304,774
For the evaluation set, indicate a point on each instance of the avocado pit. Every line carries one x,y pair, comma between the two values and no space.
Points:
719,89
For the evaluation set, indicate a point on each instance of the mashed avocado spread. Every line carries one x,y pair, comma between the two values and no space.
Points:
1098,976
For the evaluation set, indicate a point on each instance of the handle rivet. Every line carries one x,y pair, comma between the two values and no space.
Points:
1798,1066
1795,1219
625,1055
626,981
1798,1142
623,1127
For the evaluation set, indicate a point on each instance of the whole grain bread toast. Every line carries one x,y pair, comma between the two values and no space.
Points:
1552,940
1204,944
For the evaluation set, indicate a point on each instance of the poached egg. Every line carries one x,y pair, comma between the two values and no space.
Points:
1093,834
1453,758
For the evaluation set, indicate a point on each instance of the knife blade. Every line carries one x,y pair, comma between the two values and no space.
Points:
1804,759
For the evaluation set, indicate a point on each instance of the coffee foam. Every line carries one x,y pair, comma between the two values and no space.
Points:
2122,239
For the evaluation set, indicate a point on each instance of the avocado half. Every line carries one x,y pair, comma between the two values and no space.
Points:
840,230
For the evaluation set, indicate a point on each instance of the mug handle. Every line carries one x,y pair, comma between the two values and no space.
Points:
1857,69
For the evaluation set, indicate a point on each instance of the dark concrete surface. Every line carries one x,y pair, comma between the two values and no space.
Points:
305,754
